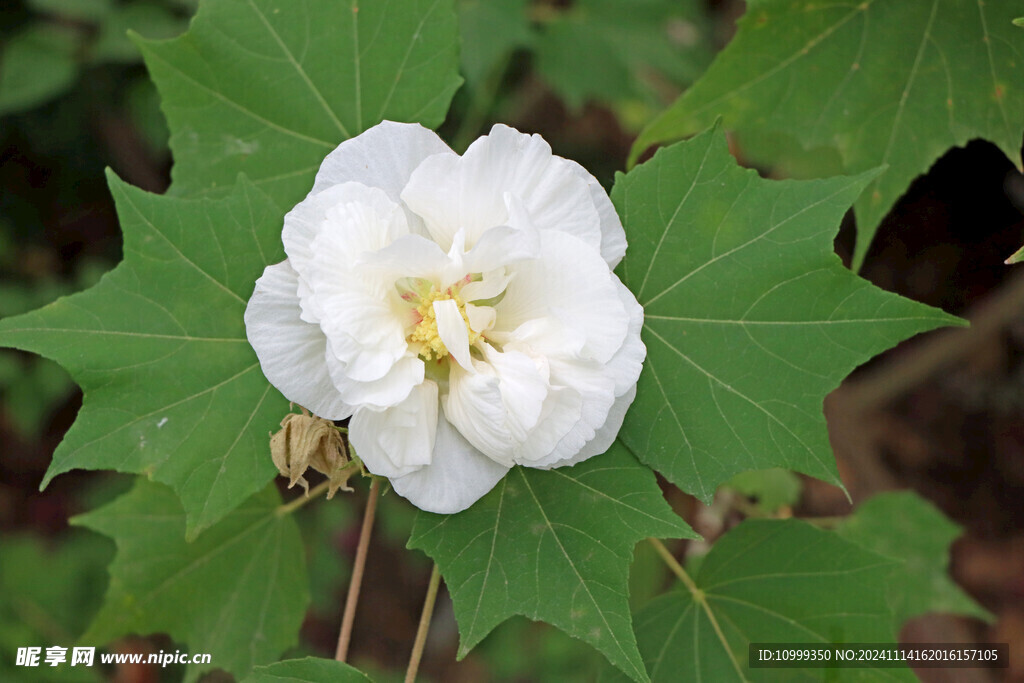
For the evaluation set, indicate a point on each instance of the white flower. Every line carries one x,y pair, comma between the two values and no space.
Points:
461,310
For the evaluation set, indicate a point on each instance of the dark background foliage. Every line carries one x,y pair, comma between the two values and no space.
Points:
943,414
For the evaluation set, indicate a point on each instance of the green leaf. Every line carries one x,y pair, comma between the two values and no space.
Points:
238,592
1017,257
81,10
47,596
36,65
886,82
606,50
172,387
269,87
490,30
32,392
152,21
773,489
308,670
908,528
750,319
555,546
769,581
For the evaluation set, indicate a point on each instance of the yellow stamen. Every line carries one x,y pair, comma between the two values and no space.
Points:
426,330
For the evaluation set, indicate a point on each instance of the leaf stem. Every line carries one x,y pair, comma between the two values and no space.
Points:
424,627
313,494
348,617
699,597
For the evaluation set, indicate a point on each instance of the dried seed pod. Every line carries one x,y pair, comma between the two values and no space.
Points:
306,441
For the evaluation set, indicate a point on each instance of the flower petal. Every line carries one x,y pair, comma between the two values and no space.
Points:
383,156
613,237
605,435
355,217
501,245
452,330
560,413
451,192
400,439
496,407
625,366
291,351
458,474
389,390
571,283
481,318
493,283
595,389
412,256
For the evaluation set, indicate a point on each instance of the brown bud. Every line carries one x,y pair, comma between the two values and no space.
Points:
309,441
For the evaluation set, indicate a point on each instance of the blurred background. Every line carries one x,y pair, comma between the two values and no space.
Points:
941,414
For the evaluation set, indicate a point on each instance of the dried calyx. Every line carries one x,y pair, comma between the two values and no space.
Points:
306,441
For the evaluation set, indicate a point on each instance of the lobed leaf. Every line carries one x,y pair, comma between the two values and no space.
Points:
885,82
610,51
770,581
552,545
773,489
750,319
172,387
308,670
269,87
238,592
909,529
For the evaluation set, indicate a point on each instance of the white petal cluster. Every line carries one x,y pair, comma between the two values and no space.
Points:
460,309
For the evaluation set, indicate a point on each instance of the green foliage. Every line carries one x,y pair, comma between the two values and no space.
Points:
554,546
31,391
172,387
885,82
47,596
269,87
490,30
750,319
609,51
553,657
33,387
772,489
154,21
47,57
238,592
308,670
81,10
909,529
329,570
36,64
1017,257
769,581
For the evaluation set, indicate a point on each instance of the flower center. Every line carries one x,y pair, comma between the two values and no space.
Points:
425,334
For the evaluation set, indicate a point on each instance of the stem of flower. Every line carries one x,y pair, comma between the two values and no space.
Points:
357,572
424,627
698,596
314,493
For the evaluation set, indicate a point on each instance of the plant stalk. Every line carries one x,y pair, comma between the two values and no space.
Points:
424,627
313,494
348,617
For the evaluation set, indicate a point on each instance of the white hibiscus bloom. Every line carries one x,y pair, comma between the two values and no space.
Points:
461,310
